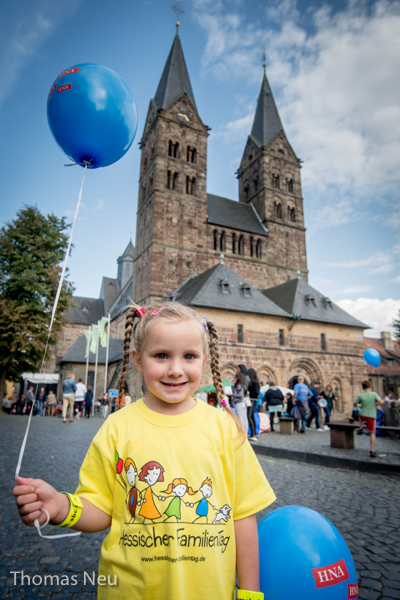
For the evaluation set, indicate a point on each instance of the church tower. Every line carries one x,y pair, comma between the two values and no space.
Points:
171,236
269,178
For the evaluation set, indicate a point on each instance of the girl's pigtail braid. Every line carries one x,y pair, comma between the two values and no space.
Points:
127,342
214,359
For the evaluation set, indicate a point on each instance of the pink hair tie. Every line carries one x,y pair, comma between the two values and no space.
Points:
204,319
224,403
141,311
158,311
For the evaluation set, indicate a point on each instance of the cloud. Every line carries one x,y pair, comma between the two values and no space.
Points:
355,290
25,37
99,204
333,76
377,313
379,262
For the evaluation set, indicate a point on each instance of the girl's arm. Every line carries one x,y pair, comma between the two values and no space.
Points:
33,494
247,558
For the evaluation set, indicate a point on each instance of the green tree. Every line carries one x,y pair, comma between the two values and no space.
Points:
396,325
32,246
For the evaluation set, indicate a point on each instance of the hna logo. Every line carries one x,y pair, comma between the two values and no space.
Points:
353,591
331,574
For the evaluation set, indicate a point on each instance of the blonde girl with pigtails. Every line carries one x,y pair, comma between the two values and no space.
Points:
174,435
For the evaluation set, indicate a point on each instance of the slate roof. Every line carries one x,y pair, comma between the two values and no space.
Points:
129,250
109,292
236,215
86,310
298,297
174,79
123,300
267,122
206,290
76,354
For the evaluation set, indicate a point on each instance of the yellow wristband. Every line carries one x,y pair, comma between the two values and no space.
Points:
246,595
75,509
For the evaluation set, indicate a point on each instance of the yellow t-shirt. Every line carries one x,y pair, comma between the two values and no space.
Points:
171,540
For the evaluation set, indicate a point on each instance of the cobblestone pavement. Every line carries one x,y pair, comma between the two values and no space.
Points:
316,442
365,508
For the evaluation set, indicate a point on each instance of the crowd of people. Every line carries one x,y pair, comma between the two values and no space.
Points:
304,403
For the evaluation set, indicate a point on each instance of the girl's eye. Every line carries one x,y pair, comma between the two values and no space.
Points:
161,355
190,356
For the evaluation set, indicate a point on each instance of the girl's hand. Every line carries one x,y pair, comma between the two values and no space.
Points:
33,494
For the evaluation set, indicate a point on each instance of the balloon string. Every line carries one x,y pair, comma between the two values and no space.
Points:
22,450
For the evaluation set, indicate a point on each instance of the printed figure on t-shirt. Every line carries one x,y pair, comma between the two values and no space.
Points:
179,487
203,504
223,515
151,473
133,494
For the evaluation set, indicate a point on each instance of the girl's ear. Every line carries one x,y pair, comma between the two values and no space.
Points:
137,361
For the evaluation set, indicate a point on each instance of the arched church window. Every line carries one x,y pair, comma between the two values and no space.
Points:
173,149
191,155
246,189
251,246
255,181
278,210
190,185
170,148
241,245
222,242
290,185
258,249
292,214
215,239
233,243
276,182
172,180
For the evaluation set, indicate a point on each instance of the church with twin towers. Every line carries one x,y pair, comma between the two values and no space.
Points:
243,262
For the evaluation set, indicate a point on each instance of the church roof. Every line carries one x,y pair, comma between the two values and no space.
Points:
174,79
123,300
267,122
109,292
76,354
298,298
129,250
220,287
236,215
85,312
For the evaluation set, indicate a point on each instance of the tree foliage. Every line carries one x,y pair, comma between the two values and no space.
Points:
396,325
32,246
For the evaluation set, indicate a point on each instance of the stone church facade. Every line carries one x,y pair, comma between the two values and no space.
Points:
267,314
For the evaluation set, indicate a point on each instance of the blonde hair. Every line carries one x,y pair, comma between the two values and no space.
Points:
172,312
128,463
177,482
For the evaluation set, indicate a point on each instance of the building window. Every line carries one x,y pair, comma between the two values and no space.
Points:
240,334
290,185
222,242
225,286
191,155
173,149
172,179
292,214
246,289
310,301
241,245
246,189
215,239
258,249
323,341
90,378
255,181
278,210
276,182
251,246
281,337
233,243
190,185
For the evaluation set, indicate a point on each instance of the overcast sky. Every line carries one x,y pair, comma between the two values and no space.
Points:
334,71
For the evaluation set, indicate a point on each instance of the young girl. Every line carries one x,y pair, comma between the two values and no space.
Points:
167,435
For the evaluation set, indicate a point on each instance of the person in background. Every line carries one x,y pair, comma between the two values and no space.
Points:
289,403
79,397
88,401
313,404
329,397
104,405
243,369
300,398
29,400
238,393
388,397
273,399
51,402
367,402
69,389
40,400
254,390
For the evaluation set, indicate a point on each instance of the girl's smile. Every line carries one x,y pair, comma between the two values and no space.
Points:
172,362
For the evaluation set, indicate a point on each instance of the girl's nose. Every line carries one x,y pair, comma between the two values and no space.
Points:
175,369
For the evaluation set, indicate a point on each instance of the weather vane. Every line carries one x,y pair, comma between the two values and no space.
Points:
264,57
179,11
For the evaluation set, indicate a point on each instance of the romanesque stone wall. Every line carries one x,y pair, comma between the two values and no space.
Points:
65,339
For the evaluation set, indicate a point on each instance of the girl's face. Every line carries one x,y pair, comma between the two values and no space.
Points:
180,490
152,475
172,362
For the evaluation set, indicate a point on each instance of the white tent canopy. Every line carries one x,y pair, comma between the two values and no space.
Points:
41,377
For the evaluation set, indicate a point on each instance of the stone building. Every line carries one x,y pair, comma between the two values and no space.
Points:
267,314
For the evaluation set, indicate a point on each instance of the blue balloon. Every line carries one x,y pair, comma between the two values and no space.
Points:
302,555
372,357
92,114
